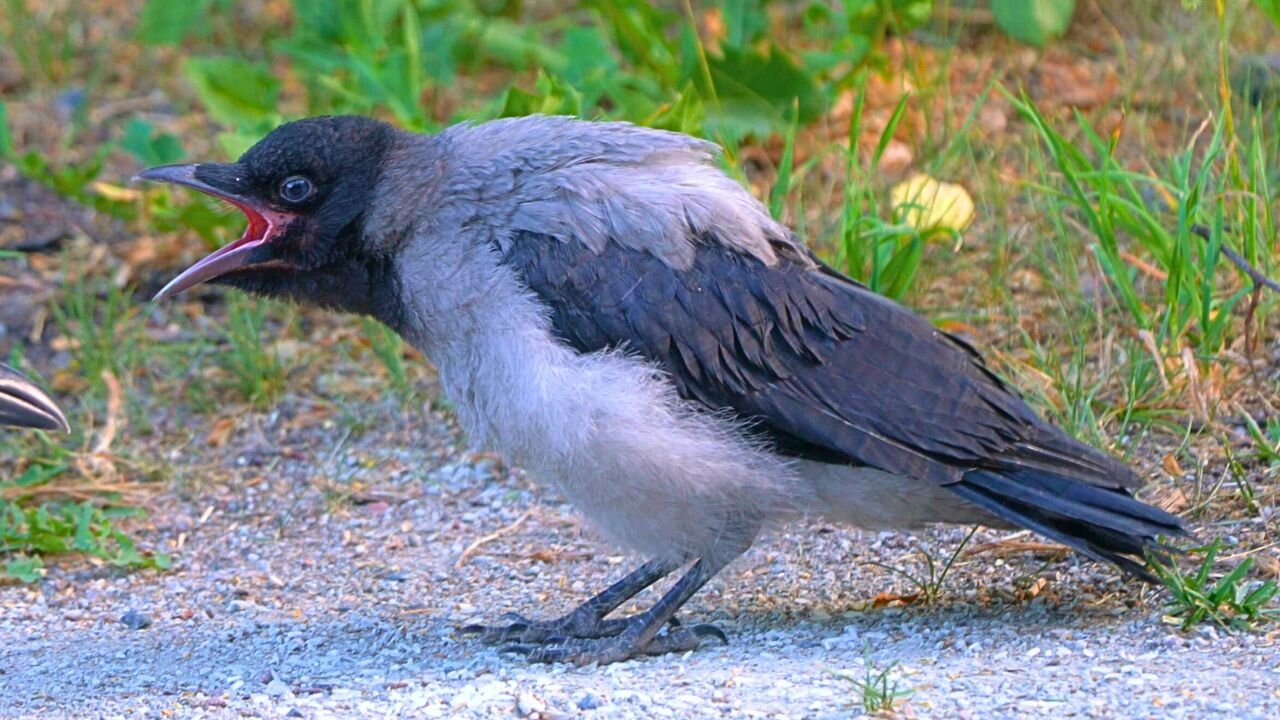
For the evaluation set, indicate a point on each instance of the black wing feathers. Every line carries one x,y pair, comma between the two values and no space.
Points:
823,367
827,370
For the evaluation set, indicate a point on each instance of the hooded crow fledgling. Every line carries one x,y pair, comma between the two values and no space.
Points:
617,315
24,404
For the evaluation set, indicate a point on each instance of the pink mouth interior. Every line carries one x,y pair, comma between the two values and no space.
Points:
263,225
259,225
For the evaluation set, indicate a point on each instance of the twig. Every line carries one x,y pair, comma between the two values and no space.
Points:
114,412
1149,341
1259,281
1249,553
99,463
1249,340
1143,266
496,534
1004,548
1238,260
78,491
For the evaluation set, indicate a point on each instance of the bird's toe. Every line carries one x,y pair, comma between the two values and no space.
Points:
603,651
517,628
521,630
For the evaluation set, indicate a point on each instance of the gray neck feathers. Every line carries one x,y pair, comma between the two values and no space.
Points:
577,181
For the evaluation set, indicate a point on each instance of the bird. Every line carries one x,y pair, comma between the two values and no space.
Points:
611,311
24,404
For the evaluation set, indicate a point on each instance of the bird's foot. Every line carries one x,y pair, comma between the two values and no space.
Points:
521,630
624,646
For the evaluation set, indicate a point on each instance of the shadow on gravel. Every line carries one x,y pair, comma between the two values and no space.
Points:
75,669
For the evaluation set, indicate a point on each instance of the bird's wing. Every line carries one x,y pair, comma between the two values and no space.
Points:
820,365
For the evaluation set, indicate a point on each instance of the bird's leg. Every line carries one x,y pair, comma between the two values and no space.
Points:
639,633
585,621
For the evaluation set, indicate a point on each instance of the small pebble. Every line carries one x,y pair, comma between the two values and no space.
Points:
277,688
135,620
529,705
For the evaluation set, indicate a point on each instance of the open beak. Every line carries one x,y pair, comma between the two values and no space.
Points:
264,224
22,404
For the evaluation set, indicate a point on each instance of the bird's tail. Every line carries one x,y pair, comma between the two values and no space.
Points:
1103,523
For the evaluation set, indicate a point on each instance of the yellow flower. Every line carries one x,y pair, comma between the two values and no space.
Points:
928,205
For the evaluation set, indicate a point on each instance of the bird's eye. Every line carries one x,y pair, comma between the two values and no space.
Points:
296,189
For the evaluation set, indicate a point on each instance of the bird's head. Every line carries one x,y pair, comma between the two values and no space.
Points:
305,190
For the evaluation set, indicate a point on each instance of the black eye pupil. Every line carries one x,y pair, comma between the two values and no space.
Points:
295,189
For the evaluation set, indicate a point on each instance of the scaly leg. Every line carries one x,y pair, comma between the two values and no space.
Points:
585,621
637,635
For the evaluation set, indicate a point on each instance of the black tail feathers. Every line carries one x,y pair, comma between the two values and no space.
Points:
1100,522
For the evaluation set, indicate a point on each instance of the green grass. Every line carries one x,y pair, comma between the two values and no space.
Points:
389,348
932,583
30,533
1231,601
100,321
33,527
878,691
257,372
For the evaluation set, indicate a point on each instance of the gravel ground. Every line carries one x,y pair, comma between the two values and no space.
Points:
320,581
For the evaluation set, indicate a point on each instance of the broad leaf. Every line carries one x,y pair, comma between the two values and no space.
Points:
754,92
1034,22
1271,8
141,141
236,92
165,22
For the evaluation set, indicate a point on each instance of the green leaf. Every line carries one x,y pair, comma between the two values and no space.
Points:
553,97
685,115
871,17
438,42
640,33
25,569
141,141
165,22
786,169
6,138
236,92
320,18
745,21
235,143
902,268
754,93
1270,8
1034,22
586,53
773,79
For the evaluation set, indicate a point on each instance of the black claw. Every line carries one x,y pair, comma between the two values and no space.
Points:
518,626
552,654
705,630
574,640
